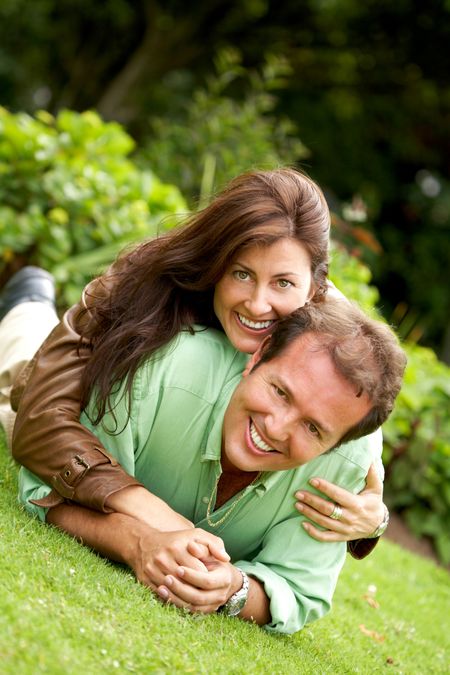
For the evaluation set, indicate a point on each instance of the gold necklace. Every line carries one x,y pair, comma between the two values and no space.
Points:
232,507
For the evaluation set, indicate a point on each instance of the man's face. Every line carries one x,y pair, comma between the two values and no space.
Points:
288,410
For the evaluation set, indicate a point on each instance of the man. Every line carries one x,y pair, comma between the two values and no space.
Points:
227,453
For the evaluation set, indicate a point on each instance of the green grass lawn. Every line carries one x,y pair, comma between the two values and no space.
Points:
65,610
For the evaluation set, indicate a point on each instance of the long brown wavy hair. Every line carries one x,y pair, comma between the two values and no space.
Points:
167,284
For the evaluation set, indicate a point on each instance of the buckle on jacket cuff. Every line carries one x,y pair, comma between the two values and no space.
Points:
75,470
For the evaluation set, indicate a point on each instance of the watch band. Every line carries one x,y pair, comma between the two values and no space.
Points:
382,526
237,601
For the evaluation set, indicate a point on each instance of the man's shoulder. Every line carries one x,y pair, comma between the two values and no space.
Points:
362,451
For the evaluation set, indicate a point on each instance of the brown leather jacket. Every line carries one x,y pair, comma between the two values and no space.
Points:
49,439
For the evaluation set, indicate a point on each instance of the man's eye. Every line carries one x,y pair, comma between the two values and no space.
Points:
279,392
312,429
241,275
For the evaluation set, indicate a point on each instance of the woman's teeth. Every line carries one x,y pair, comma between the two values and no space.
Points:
255,325
257,440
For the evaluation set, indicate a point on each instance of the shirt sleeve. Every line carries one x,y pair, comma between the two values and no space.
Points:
299,576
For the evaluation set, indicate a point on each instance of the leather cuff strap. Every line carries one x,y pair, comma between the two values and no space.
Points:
66,481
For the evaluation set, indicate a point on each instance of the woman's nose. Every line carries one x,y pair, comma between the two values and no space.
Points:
258,303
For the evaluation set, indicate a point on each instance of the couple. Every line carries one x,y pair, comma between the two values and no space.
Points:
181,437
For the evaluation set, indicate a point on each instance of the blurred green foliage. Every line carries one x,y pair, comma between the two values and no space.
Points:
70,198
214,137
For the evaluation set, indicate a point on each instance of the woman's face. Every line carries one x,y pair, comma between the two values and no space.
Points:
262,284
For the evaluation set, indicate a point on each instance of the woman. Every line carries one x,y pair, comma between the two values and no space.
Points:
259,251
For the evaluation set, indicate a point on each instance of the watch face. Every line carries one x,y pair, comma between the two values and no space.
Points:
238,600
236,603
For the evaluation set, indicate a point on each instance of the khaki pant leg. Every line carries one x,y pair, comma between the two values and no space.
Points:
22,331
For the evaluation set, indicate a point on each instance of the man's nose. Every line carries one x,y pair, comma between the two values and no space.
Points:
280,425
258,303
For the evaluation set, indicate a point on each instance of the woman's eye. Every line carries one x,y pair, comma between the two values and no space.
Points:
284,283
241,275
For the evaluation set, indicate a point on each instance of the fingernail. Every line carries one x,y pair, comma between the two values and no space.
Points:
169,580
299,507
300,495
180,571
314,482
305,526
163,593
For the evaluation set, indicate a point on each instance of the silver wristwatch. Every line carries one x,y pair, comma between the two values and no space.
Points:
237,601
382,526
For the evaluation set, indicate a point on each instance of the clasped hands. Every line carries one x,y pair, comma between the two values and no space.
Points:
188,568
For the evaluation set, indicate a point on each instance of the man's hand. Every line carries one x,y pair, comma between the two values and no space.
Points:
157,555
201,590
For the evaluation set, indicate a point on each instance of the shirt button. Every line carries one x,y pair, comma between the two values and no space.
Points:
205,500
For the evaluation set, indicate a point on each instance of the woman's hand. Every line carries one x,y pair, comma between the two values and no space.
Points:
360,516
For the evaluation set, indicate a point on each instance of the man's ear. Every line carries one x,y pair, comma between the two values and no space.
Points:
256,356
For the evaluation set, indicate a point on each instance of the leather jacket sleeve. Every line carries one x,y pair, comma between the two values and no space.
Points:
48,438
360,548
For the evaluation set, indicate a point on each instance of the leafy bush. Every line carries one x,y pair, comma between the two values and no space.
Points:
70,198
417,442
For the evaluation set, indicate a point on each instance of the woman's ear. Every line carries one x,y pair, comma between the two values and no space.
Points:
256,356
312,291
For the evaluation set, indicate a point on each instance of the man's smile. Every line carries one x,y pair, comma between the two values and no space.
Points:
256,441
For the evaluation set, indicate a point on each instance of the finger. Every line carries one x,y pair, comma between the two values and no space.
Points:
167,561
320,519
324,535
166,596
186,595
317,505
334,492
373,481
198,550
216,548
213,579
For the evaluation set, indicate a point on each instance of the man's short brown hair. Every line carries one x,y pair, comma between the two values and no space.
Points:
365,351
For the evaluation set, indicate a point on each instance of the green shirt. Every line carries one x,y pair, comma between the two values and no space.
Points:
172,444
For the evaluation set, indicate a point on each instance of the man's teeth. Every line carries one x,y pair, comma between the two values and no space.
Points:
257,440
256,325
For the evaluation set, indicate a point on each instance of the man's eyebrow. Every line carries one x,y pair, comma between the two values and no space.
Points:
324,430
